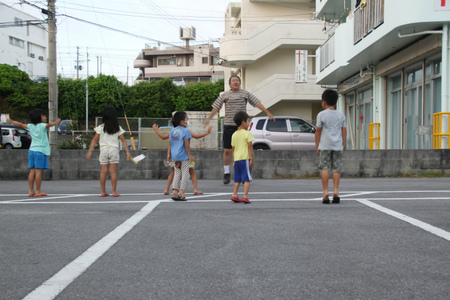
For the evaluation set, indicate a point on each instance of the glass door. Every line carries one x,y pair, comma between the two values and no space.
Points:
364,118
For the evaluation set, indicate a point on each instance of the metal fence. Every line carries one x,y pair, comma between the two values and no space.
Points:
146,138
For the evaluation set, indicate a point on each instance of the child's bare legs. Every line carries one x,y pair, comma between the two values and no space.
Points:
194,180
32,178
169,182
336,180
113,174
236,189
103,173
246,188
325,176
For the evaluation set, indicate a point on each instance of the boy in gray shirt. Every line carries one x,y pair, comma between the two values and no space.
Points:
331,133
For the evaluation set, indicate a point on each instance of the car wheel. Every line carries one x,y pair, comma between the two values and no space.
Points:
261,147
8,146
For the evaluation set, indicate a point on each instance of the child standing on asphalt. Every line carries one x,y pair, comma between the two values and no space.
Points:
108,134
179,151
191,167
242,150
331,133
39,148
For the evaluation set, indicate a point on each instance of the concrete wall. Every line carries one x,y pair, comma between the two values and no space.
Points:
72,164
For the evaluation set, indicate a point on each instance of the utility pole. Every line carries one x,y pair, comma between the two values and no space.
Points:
52,70
78,62
87,90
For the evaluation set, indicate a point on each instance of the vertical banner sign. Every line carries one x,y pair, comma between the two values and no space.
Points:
441,4
301,65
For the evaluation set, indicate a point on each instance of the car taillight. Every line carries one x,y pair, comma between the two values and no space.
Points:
250,128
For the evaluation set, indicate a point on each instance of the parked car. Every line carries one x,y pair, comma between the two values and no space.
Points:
25,136
66,126
284,133
10,138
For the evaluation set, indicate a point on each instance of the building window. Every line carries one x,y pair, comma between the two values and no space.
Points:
350,111
394,104
364,117
167,61
204,60
16,42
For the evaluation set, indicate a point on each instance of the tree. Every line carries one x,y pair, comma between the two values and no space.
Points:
199,96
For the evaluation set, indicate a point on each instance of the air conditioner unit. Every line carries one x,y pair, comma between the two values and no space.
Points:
41,58
32,55
187,33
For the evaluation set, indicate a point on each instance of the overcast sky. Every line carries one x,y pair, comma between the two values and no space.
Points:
151,20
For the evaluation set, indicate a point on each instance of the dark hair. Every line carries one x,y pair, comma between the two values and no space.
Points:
239,117
234,75
36,115
178,117
110,120
330,97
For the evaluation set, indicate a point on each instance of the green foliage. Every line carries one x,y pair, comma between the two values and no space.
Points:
70,145
199,96
156,99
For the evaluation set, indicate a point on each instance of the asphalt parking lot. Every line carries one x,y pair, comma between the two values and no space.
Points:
389,238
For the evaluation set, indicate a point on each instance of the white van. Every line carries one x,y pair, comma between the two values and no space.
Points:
10,138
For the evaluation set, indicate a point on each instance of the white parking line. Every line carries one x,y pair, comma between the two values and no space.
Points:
58,282
425,226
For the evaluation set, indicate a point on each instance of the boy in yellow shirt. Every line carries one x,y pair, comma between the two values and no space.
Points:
242,150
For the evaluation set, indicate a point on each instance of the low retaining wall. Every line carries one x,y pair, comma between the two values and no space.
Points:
72,164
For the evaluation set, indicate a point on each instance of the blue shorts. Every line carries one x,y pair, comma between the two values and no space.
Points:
37,160
242,171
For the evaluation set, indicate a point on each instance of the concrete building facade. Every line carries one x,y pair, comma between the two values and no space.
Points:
261,44
23,43
188,63
390,61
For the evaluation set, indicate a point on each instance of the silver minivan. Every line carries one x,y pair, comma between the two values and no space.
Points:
10,138
284,133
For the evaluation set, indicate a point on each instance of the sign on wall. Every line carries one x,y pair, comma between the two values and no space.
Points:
441,4
301,66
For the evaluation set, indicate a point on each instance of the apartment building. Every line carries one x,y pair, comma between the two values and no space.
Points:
185,63
390,61
23,41
271,45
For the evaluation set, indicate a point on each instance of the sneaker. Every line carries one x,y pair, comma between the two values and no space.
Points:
336,199
235,199
226,178
245,200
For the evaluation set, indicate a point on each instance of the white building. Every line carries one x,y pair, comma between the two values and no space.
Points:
260,43
23,45
186,63
390,60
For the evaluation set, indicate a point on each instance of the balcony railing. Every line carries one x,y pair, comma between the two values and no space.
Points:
327,53
368,16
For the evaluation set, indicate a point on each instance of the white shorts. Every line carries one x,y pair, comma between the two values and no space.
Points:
109,155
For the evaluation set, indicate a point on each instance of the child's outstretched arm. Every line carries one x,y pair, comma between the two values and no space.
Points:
91,147
200,135
164,137
125,145
16,123
53,123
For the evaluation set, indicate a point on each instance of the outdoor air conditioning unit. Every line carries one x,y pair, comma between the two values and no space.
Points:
32,55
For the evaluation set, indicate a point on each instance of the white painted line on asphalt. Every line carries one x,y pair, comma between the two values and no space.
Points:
58,282
425,226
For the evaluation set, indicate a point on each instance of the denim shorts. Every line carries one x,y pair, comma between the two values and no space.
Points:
37,160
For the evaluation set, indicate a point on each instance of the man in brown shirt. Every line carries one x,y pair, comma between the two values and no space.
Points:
235,100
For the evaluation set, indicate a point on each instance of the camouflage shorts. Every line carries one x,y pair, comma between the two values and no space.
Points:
331,160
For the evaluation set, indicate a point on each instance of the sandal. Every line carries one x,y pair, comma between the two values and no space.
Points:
326,200
336,199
